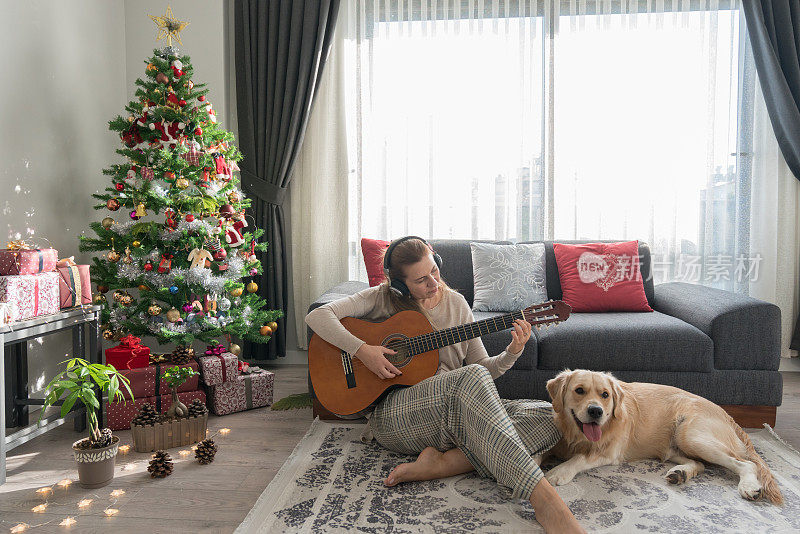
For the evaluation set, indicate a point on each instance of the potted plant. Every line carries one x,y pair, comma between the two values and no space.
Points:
96,454
175,376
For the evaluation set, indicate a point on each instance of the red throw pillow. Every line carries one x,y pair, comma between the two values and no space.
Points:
601,277
373,249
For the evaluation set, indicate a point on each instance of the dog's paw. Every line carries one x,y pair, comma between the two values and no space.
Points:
676,475
750,490
558,476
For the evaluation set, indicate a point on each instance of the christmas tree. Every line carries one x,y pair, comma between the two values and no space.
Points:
176,246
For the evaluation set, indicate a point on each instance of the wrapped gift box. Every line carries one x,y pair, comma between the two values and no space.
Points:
220,368
120,415
129,354
27,261
149,381
244,392
32,295
75,286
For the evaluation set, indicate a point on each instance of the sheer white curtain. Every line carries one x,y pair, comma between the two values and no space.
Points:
572,119
775,226
318,197
553,119
550,119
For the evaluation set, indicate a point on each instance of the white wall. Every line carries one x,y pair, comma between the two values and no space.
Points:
204,41
63,79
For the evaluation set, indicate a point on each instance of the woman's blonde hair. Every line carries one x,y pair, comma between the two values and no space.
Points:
406,253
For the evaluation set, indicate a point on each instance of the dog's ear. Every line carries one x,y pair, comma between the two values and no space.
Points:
556,387
618,396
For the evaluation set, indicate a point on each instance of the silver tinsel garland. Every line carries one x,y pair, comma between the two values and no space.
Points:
192,227
199,276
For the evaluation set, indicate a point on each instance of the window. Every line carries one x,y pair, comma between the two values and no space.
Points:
527,120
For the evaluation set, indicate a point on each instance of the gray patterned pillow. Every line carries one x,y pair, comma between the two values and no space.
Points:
508,277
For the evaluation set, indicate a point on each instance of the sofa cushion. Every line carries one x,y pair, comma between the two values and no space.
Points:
625,341
554,283
372,250
497,342
601,277
456,268
508,277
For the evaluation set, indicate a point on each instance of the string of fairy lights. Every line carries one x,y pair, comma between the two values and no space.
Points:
60,489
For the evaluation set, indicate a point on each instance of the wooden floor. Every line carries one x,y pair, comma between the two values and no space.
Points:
195,498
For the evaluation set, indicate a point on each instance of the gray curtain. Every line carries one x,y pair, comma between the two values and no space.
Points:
281,48
774,30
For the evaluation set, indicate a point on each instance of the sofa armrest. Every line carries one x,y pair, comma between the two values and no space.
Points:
344,289
746,332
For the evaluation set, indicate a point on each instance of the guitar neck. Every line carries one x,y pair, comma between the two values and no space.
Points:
457,334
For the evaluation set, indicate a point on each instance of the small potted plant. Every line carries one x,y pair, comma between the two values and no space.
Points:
96,454
175,376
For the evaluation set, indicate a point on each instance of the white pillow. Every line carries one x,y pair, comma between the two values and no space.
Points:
508,277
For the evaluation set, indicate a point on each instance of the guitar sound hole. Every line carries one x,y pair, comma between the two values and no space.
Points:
402,357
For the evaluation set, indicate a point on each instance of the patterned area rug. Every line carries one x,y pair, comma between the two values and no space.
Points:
332,483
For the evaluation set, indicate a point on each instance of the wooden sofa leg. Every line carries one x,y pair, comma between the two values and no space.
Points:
318,410
751,416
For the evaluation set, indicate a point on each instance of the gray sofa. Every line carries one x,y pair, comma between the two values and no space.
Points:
717,344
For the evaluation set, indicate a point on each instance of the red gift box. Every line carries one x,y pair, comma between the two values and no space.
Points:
149,381
75,286
129,354
27,261
30,295
120,414
244,392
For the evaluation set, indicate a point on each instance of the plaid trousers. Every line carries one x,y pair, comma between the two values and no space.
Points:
461,408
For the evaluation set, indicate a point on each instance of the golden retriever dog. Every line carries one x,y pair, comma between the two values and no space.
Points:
606,421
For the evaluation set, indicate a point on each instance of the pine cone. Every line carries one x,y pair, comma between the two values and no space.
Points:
161,465
197,408
181,355
105,439
205,451
147,416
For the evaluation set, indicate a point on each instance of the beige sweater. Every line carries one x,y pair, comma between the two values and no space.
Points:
373,304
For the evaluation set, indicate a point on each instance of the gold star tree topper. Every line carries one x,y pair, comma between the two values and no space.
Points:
169,26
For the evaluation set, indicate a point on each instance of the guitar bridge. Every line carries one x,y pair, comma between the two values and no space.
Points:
347,366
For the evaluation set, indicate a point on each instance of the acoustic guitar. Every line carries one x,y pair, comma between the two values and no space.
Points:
344,385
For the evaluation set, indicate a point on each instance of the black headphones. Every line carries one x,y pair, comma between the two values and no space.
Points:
398,286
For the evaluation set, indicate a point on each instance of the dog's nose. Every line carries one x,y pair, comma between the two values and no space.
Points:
595,412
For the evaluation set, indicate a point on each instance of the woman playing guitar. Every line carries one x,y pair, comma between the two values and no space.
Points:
458,410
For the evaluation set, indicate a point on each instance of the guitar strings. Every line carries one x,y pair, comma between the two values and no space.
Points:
418,344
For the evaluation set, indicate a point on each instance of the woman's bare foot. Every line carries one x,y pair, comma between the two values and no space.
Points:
430,464
426,467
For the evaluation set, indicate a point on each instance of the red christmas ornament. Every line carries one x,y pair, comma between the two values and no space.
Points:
165,265
177,72
120,187
148,266
189,217
182,102
220,254
226,210
201,98
198,131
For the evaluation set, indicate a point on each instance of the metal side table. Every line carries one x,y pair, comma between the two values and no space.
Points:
15,401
